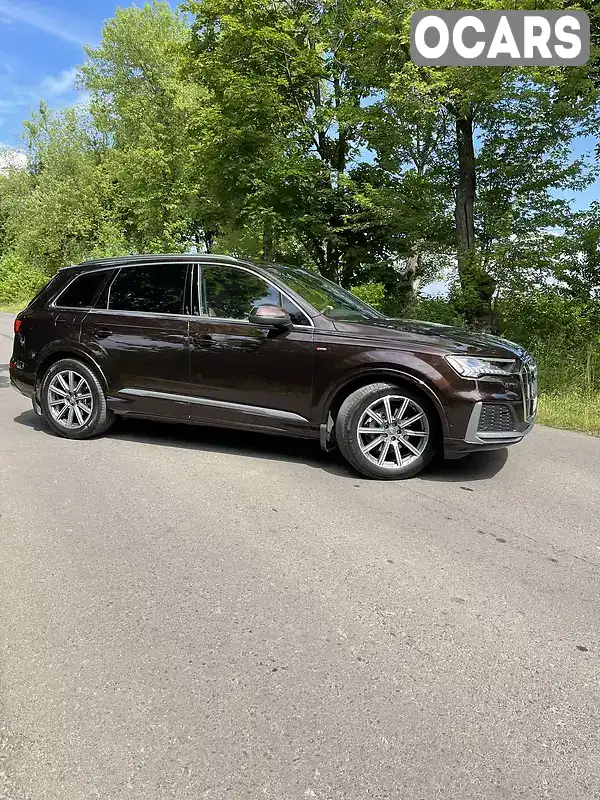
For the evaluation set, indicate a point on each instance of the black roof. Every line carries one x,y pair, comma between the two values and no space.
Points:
121,261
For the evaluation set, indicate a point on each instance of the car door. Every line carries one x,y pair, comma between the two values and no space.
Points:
245,374
138,333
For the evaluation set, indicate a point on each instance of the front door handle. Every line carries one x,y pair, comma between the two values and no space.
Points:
101,333
204,340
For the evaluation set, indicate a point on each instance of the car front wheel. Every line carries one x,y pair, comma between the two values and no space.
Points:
73,400
386,431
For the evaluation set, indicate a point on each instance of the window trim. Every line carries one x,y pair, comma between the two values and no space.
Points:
54,302
199,269
189,266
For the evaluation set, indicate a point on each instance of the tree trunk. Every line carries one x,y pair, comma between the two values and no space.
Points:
477,286
332,262
465,194
268,240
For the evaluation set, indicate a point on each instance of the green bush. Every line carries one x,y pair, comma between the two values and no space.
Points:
371,293
434,309
19,282
562,334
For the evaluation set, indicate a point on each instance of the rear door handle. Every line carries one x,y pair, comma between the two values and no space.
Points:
205,340
101,333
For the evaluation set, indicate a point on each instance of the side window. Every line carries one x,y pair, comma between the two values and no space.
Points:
298,317
82,292
230,293
157,288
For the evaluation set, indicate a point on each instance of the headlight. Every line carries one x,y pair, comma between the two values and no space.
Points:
471,367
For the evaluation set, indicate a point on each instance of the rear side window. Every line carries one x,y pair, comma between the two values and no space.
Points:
156,288
82,292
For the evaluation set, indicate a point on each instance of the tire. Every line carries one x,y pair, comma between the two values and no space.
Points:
83,413
369,408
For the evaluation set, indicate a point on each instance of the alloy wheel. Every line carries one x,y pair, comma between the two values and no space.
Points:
70,399
393,431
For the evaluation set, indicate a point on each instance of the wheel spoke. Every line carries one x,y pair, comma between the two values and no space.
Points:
384,452
70,417
389,417
81,381
410,447
410,421
402,411
374,415
60,402
393,431
367,448
84,397
63,382
59,392
396,447
62,411
72,381
79,415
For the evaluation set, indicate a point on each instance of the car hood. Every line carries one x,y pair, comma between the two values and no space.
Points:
446,338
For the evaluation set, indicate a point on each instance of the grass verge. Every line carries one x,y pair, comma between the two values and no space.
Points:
14,308
572,411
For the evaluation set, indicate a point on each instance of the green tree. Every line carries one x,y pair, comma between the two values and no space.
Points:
497,137
62,208
150,116
284,139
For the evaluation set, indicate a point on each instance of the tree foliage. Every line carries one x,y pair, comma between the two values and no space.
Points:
301,131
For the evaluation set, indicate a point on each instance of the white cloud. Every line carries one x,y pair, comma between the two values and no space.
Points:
57,85
16,96
44,19
11,158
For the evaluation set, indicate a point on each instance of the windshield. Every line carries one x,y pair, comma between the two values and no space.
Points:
330,299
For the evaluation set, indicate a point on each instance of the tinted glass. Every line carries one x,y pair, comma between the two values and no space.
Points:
231,293
328,298
82,292
157,288
298,317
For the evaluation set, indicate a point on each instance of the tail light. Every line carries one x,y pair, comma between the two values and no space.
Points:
17,325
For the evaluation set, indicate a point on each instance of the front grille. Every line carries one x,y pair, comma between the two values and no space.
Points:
496,418
529,385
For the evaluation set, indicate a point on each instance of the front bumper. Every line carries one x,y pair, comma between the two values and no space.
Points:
477,436
494,413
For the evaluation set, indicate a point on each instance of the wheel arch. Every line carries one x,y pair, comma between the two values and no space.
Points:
339,393
66,351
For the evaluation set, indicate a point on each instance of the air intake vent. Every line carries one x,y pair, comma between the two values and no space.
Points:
496,418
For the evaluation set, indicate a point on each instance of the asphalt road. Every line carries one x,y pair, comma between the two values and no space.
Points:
187,613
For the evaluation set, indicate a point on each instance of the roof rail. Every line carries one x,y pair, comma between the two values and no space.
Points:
151,257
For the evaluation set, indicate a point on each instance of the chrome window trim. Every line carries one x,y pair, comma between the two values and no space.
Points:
197,268
54,302
136,265
146,314
256,275
243,408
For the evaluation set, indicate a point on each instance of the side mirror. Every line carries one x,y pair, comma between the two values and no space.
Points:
272,316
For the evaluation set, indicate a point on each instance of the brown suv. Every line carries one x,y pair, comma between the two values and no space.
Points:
214,340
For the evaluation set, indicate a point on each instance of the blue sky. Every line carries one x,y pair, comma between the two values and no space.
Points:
41,44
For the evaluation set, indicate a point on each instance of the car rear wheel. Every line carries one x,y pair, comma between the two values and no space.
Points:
386,431
73,400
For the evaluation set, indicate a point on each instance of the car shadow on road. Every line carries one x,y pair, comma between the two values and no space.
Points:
473,467
480,466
